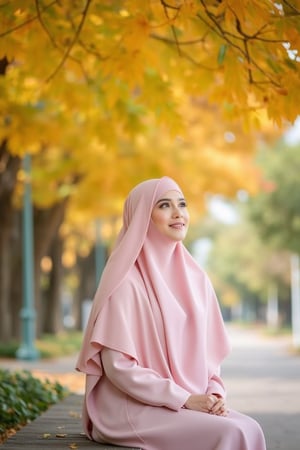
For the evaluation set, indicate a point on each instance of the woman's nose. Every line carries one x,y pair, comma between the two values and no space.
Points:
176,212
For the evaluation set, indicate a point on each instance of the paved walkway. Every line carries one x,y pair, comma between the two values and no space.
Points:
262,377
59,428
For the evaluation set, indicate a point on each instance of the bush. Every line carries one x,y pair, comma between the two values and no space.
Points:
23,398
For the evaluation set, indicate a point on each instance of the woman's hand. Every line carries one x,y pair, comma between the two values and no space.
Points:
211,404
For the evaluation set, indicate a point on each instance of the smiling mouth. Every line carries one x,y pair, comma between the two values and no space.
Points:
178,226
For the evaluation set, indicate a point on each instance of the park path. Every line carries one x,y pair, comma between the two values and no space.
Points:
262,376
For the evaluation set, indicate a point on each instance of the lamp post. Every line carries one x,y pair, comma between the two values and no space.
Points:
27,351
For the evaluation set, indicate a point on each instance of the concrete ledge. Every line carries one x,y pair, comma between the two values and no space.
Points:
58,428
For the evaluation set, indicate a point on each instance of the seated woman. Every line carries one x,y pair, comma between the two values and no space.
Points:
155,339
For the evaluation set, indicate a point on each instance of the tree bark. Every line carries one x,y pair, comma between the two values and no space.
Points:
9,166
86,270
16,290
52,298
46,227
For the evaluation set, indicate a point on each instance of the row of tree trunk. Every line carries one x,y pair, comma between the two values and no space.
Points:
48,298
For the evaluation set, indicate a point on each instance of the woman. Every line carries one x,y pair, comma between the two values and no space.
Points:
155,339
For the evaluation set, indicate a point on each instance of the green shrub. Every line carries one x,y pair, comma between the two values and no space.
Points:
23,398
8,350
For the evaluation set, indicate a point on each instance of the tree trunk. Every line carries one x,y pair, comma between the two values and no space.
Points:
9,166
16,291
46,227
5,281
86,268
53,308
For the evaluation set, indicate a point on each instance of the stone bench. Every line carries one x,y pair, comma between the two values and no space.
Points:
58,428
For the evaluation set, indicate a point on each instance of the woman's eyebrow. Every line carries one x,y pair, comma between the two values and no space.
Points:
169,200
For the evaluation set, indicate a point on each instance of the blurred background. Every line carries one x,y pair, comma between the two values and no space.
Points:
97,96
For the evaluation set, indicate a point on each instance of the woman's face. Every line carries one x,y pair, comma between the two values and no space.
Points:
170,215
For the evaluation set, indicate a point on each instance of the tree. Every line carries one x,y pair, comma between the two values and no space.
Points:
245,270
98,89
276,213
276,208
7,238
242,55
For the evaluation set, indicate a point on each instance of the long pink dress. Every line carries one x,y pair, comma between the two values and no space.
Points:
154,337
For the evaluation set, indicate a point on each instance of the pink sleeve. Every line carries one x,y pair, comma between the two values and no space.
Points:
216,386
143,384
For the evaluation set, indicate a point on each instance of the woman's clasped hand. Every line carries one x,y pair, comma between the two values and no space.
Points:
212,404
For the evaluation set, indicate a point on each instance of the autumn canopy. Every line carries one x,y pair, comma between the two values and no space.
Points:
103,94
88,84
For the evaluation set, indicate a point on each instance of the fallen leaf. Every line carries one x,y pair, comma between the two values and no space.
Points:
75,414
46,435
60,435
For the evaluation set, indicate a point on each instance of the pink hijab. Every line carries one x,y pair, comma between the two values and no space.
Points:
154,303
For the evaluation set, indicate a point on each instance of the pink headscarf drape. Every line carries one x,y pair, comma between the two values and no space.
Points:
154,303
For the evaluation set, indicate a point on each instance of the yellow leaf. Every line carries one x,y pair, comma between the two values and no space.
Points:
188,10
136,32
46,435
75,414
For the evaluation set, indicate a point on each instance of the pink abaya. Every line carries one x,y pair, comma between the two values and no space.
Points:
154,337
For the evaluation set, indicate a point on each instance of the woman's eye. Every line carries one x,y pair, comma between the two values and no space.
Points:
164,205
182,204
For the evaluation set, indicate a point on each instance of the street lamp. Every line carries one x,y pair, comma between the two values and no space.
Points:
27,351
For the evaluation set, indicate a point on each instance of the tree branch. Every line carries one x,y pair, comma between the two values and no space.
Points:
242,35
249,61
26,22
166,5
214,24
43,25
73,42
218,30
181,43
293,7
182,53
51,38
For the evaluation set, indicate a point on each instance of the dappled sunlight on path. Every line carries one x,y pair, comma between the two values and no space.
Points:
74,382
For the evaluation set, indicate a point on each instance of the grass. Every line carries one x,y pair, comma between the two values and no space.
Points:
278,331
49,346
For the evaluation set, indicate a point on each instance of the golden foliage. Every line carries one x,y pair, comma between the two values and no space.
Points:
105,94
